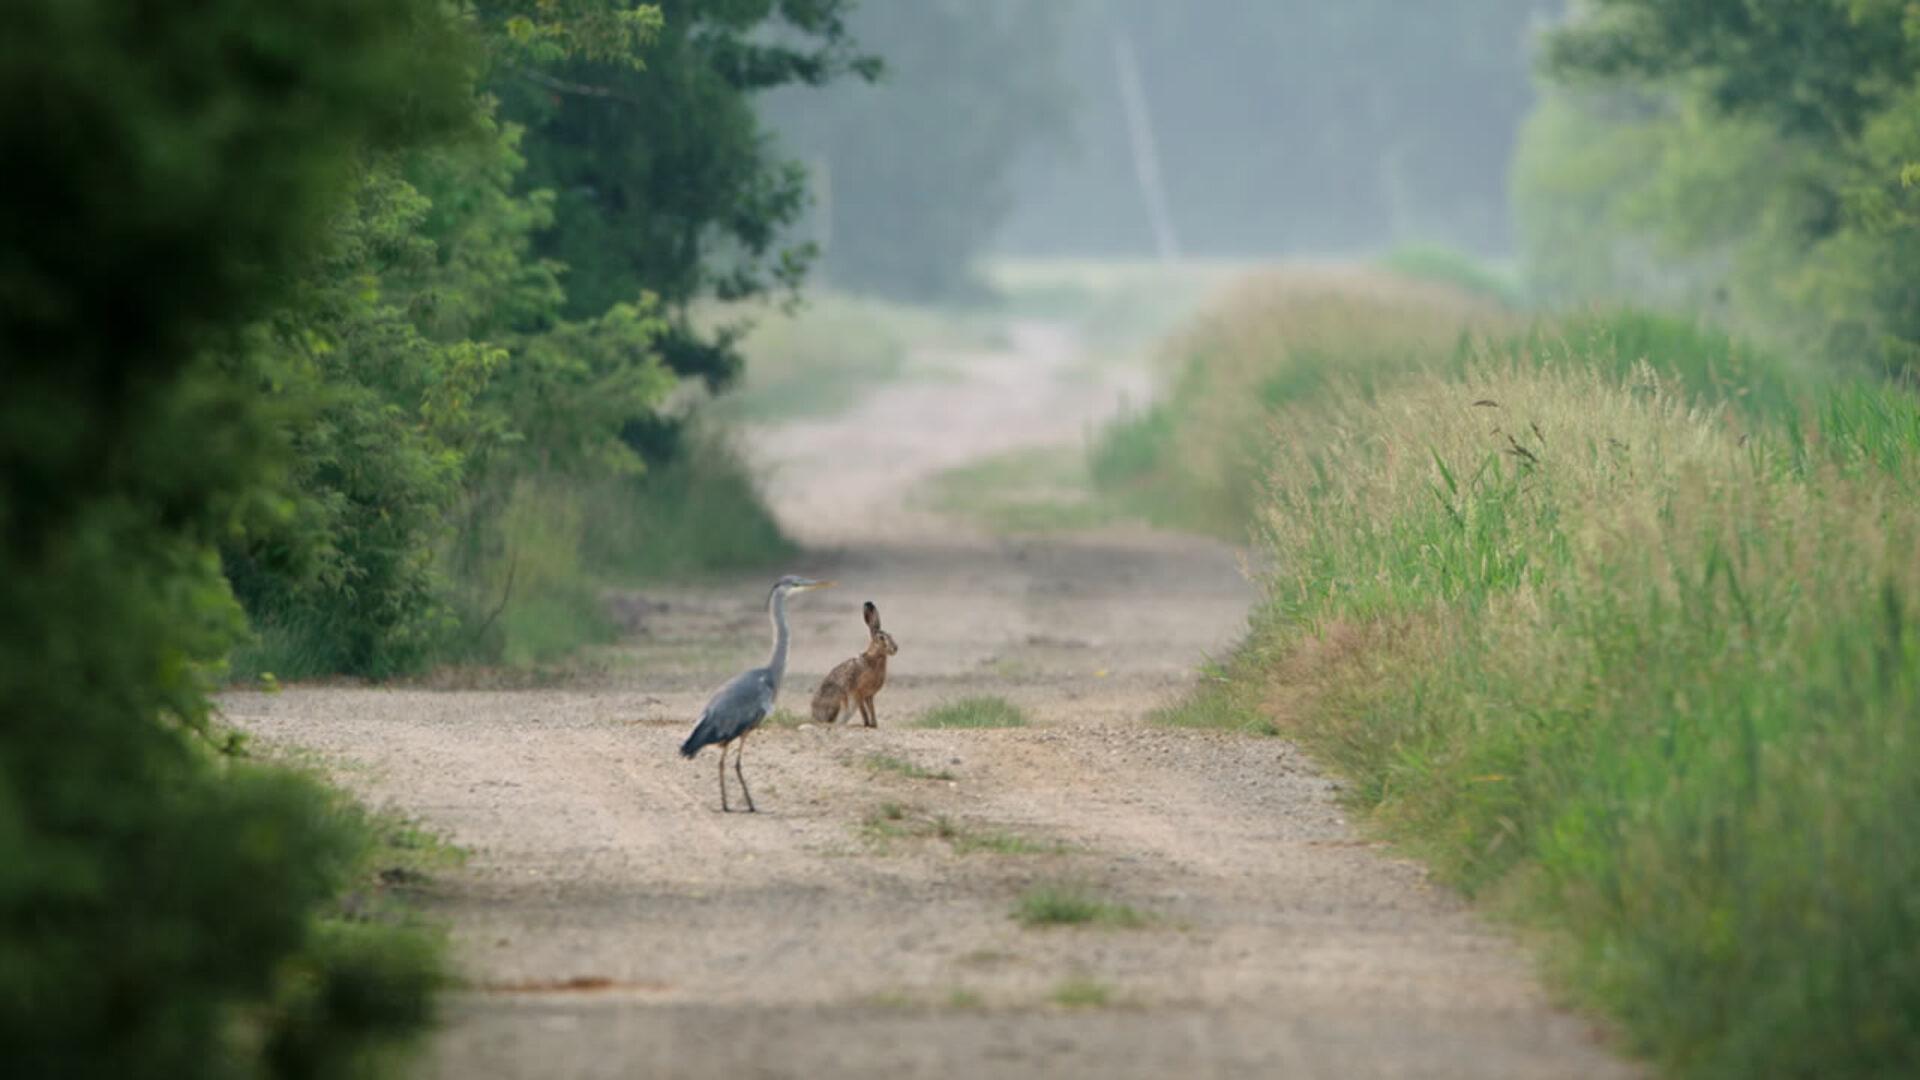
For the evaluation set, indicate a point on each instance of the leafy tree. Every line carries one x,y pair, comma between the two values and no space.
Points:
1769,139
663,178
1814,68
420,363
175,165
920,163
467,432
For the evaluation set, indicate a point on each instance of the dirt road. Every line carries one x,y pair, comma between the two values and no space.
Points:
861,924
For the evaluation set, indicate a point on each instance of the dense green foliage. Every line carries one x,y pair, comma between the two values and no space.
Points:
662,177
160,902
1744,157
424,369
472,374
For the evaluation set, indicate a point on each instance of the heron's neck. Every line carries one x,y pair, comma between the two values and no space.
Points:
777,612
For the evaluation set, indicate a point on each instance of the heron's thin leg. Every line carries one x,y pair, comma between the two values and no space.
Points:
724,808
737,755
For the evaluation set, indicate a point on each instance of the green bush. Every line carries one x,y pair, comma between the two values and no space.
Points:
177,164
558,541
1750,160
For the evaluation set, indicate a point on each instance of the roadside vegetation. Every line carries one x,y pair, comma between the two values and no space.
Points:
1607,615
1604,612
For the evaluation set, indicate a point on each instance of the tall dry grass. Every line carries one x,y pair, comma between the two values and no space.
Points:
1653,683
1613,623
1192,457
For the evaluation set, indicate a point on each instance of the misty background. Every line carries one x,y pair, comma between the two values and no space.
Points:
1276,127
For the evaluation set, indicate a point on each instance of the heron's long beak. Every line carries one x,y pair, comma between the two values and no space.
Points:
813,585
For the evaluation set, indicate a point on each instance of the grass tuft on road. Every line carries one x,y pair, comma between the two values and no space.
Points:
1082,994
980,711
883,762
1071,904
893,822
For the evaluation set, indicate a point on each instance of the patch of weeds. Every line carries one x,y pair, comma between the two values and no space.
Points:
900,999
405,847
881,762
891,821
1002,842
985,711
891,998
783,718
1063,904
885,824
1082,994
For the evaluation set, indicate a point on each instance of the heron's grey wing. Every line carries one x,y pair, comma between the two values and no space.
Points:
734,709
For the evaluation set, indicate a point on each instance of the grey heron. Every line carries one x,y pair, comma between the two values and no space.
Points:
738,707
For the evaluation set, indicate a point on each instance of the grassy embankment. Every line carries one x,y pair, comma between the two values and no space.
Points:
1611,620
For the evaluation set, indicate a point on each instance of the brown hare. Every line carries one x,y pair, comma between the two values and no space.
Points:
859,678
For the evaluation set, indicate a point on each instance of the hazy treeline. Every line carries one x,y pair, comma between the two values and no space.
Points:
1280,126
1747,158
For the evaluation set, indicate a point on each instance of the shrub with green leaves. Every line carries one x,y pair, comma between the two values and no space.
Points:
1751,160
175,165
468,435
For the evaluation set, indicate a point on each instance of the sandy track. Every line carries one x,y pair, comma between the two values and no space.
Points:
796,942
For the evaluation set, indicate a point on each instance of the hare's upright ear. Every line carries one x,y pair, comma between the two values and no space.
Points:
872,615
